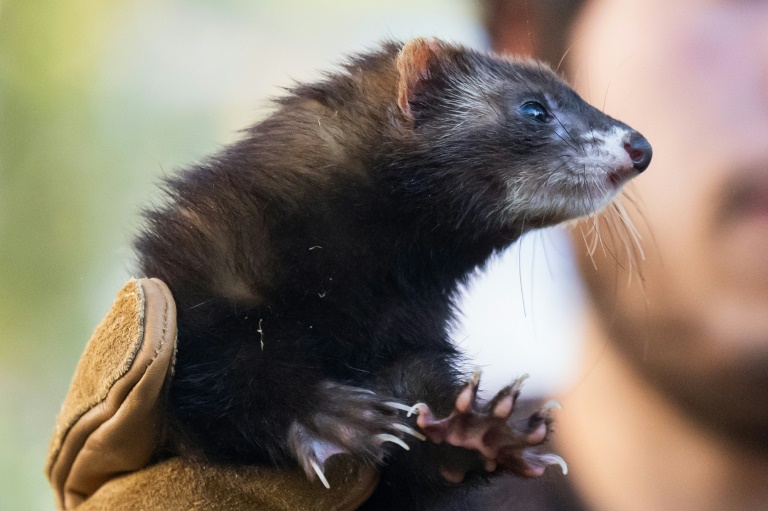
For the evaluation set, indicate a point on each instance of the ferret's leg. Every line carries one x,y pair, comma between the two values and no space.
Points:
501,440
464,436
412,480
348,420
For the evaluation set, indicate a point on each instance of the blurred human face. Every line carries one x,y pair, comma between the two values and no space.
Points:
692,76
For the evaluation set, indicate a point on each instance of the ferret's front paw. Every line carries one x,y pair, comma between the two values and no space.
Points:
502,442
347,420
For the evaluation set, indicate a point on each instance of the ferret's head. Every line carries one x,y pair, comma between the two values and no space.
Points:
507,139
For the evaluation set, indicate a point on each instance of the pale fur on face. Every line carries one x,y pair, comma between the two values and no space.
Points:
580,182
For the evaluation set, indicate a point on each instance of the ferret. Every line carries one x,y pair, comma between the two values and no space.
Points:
316,264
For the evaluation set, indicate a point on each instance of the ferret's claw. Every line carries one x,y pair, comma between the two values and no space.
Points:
386,437
398,406
409,431
416,408
518,383
554,459
552,405
320,474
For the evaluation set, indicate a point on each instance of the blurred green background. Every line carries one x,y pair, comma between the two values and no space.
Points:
98,99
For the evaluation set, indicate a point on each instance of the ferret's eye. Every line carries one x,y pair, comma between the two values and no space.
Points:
535,111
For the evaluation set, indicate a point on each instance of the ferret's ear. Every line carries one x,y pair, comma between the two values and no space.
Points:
417,64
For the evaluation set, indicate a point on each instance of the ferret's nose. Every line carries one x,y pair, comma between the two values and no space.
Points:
640,151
